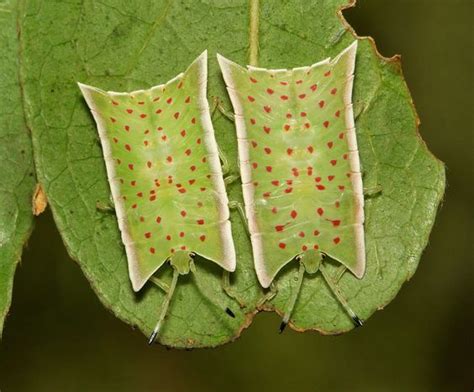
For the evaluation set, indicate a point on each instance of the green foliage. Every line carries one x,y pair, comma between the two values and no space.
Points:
124,46
16,169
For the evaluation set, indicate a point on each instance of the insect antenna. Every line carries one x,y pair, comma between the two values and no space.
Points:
292,301
165,306
340,297
204,291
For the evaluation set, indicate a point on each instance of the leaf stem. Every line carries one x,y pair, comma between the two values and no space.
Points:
253,31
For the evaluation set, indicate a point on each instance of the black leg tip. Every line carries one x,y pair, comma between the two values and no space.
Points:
357,321
283,326
152,338
230,312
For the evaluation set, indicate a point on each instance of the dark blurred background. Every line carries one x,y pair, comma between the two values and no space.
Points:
58,336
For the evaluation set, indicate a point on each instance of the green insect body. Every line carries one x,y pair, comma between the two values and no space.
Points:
299,163
165,174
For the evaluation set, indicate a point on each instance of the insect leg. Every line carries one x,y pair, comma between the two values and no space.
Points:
340,297
217,104
158,282
240,208
269,295
165,306
211,298
227,287
293,297
373,191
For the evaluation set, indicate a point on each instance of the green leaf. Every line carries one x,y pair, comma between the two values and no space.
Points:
16,171
123,46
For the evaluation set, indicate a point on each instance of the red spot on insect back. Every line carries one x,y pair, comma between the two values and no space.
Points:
192,181
274,210
130,166
289,151
158,111
164,138
188,152
334,91
254,143
341,135
269,169
341,187
336,222
253,80
266,195
182,190
140,194
187,100
295,172
133,183
316,233
142,219
200,221
180,84
275,182
299,81
303,114
158,219
267,129
345,156
293,214
338,113
315,247
152,251
169,101
168,237
169,158
145,142
115,140
127,128
267,109
129,111
288,190
302,96
330,178
321,104
148,164
251,99
337,204
252,121
320,187
314,87
284,97
152,198
176,115
279,228
310,149
183,133
148,235
333,162
309,171
202,238
284,83
113,119
267,150
328,73
181,234
286,127
270,91
282,245
254,165
336,240
143,115
304,248
193,120
320,211
134,206
115,103
326,124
